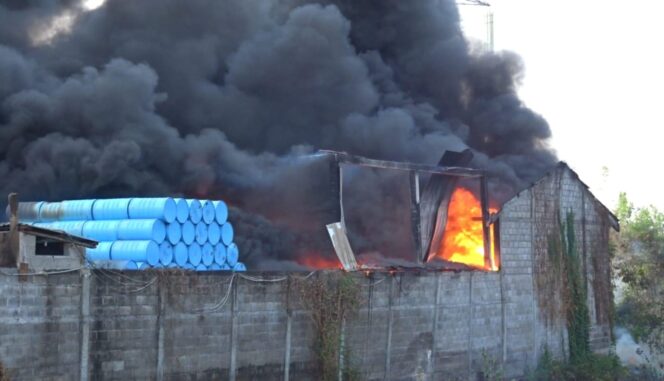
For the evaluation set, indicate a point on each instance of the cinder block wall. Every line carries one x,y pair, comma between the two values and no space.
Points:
209,326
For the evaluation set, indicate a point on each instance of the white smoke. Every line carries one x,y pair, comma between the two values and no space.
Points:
632,354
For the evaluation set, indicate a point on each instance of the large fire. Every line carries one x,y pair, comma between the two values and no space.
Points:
463,241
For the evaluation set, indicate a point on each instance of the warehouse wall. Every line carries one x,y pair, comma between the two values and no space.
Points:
178,325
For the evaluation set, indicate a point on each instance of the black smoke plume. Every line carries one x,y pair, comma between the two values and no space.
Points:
230,98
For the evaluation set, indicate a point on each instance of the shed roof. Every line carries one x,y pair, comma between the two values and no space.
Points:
56,235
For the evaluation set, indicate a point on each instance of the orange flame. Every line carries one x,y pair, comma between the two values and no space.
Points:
463,241
317,261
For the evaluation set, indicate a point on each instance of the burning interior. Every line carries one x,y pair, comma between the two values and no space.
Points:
453,224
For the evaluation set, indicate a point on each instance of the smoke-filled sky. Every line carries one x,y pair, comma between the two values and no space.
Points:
594,69
223,99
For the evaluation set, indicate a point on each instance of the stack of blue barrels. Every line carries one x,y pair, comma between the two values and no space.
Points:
145,233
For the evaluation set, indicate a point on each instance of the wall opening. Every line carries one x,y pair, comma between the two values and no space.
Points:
462,238
45,246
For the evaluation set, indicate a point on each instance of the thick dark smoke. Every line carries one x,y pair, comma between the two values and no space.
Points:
228,98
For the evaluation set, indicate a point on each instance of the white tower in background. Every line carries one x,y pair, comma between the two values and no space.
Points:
473,12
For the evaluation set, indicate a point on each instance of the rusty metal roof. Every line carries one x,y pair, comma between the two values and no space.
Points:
56,235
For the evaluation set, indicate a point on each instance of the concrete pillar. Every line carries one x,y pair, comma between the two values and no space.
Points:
388,346
233,363
161,315
85,325
289,322
434,328
470,323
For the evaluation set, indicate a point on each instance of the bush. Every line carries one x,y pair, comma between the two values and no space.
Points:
590,367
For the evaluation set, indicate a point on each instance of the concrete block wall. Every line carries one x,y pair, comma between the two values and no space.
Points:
524,224
40,326
173,326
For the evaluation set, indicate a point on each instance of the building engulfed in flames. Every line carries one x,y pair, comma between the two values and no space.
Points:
451,216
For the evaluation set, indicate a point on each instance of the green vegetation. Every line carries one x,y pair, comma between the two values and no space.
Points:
578,319
491,368
639,261
589,367
4,374
582,365
331,299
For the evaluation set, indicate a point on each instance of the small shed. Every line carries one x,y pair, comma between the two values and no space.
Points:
32,248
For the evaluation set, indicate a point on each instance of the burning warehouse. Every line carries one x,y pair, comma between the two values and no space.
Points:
438,320
322,125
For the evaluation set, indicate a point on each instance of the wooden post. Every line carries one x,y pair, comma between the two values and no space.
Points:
13,227
415,214
486,233
336,187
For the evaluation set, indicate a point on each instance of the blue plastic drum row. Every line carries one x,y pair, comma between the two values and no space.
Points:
166,209
165,254
131,265
146,229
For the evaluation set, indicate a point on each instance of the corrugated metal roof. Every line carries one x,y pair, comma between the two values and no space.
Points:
51,234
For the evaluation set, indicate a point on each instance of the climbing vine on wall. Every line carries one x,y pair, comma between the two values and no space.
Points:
578,318
566,276
563,291
330,298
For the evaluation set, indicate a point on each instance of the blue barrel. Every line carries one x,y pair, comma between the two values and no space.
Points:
111,209
154,230
166,253
188,232
174,232
101,230
227,233
143,265
225,266
189,266
207,254
69,227
131,265
208,211
163,208
138,251
195,210
100,253
219,254
195,254
158,266
201,267
220,212
201,233
239,267
27,211
182,213
50,211
180,254
70,210
172,265
232,254
214,267
76,210
214,233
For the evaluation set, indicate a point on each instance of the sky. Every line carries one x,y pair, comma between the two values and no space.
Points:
595,71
